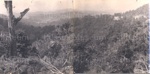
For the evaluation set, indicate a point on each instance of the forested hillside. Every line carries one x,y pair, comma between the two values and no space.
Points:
88,44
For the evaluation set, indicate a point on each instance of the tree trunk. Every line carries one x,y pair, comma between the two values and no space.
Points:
12,22
12,45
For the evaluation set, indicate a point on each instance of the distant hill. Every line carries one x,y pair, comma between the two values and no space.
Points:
143,10
55,17
63,16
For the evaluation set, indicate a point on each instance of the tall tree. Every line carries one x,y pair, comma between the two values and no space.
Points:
12,22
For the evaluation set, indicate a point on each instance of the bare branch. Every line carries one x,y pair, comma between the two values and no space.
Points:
21,16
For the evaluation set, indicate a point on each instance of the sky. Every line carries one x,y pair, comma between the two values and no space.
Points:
111,6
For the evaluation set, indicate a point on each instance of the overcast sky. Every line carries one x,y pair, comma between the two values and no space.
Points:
91,5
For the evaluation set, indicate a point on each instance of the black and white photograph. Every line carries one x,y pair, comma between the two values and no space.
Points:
74,36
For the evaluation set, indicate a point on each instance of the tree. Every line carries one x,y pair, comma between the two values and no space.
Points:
12,22
23,44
